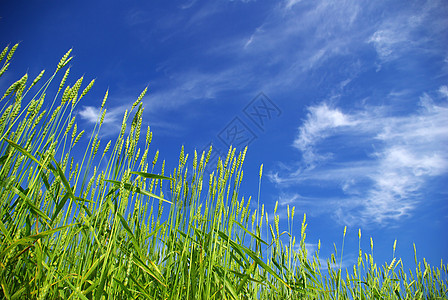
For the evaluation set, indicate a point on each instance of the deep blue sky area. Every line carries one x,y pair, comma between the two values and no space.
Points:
344,102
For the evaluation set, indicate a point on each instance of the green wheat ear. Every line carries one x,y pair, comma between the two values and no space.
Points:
96,229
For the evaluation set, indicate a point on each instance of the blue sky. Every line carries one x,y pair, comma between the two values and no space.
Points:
344,102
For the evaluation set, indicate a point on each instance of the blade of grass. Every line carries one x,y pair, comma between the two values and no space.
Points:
29,239
138,190
24,152
30,205
254,257
151,176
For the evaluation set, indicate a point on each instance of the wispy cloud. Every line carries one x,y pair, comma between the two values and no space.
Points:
287,30
192,86
443,90
188,4
400,34
325,263
112,119
281,51
275,54
290,3
321,121
92,114
378,162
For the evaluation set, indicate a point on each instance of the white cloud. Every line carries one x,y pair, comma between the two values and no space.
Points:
275,54
188,4
325,262
291,3
286,199
114,117
444,91
190,86
401,33
92,115
286,33
283,50
112,120
321,120
401,154
387,41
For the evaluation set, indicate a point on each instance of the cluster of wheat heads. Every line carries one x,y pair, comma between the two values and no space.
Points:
93,229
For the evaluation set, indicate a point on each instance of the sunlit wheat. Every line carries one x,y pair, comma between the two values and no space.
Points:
79,227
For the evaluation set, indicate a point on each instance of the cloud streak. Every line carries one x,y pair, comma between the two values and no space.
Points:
379,163
403,33
285,49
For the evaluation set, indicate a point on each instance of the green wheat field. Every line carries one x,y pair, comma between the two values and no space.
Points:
101,228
